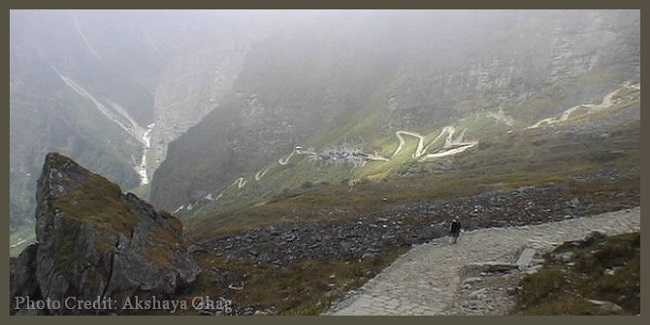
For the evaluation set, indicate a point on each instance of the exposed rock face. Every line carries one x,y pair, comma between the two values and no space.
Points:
23,275
94,242
197,80
188,90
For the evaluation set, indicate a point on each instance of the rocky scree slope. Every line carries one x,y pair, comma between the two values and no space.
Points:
373,234
94,241
367,238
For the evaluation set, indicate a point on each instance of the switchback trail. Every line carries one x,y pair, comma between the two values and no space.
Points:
426,280
607,102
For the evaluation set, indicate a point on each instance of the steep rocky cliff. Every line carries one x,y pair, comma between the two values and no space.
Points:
193,84
94,242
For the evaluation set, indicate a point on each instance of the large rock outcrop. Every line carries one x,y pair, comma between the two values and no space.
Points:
96,243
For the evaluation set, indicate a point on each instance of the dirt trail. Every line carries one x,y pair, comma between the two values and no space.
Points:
608,102
418,150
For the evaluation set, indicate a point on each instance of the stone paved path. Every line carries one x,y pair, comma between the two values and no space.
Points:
425,280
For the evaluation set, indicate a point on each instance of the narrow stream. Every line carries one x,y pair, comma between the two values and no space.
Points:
142,169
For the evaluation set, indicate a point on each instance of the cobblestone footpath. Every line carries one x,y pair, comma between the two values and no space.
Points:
426,279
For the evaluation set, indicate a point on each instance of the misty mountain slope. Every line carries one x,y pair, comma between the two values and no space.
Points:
253,127
114,89
64,121
64,65
84,82
527,156
137,69
595,152
92,48
194,82
326,89
532,66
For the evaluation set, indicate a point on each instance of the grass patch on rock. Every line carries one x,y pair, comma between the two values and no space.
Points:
99,201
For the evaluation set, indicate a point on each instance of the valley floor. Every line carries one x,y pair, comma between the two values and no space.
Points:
428,280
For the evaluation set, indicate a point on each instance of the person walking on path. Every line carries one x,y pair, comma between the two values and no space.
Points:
454,232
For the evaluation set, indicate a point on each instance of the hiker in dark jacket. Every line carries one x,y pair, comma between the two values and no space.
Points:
454,232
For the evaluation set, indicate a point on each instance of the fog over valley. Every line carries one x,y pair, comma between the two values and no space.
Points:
205,152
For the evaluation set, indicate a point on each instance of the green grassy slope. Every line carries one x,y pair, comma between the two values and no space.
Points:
310,190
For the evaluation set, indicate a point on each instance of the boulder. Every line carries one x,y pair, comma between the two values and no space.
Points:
94,242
